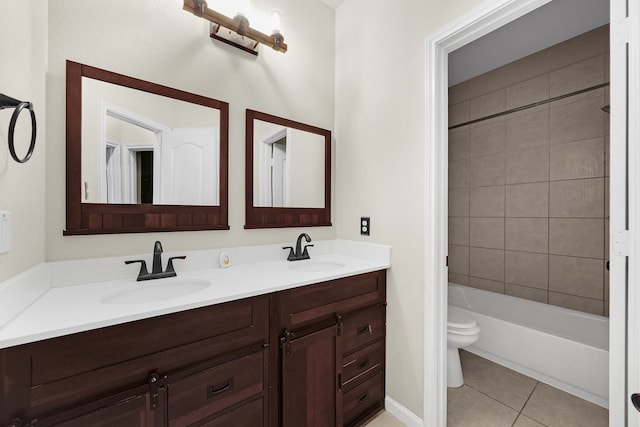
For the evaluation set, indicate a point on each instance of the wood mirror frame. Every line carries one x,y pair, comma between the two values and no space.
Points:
103,218
270,217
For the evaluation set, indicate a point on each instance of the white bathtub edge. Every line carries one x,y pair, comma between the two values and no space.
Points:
552,381
402,413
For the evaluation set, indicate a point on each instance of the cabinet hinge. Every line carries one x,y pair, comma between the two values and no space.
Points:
154,384
285,342
339,322
621,32
339,382
621,243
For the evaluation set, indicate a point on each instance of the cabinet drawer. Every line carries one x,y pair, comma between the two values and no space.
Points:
313,302
204,393
363,327
364,400
361,363
248,415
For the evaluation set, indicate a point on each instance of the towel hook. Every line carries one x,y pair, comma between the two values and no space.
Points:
9,102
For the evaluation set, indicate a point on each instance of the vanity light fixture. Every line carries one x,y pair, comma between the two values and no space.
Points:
236,31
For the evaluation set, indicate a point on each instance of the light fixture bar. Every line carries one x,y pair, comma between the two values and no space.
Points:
241,27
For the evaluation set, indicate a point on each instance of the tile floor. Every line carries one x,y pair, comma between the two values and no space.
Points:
495,396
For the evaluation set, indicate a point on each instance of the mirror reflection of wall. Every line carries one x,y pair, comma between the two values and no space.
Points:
140,147
289,167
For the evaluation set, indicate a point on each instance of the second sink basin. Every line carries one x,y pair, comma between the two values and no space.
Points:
160,290
316,266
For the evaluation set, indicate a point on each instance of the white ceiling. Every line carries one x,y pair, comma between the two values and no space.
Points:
546,26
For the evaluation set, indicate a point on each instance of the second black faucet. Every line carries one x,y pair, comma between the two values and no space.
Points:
299,253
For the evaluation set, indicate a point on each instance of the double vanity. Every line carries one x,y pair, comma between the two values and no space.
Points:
264,342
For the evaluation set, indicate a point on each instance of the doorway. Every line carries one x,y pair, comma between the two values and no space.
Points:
477,23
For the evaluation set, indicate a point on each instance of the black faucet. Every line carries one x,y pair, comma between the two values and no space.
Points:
156,272
299,253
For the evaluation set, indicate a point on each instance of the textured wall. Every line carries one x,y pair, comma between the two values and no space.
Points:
528,190
156,40
23,50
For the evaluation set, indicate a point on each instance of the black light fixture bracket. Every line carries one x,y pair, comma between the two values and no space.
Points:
9,102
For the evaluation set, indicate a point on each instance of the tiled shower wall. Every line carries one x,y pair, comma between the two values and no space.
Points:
528,191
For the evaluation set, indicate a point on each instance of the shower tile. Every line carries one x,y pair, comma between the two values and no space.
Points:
586,305
576,237
525,292
468,407
459,174
486,171
459,231
502,384
527,269
486,285
527,234
486,264
582,198
528,131
488,139
459,144
596,93
459,202
582,277
486,233
459,260
459,113
528,200
577,76
577,121
487,104
460,279
523,421
575,160
528,92
487,202
530,165
556,408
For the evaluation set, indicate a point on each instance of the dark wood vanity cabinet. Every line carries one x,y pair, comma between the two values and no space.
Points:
309,356
331,340
188,367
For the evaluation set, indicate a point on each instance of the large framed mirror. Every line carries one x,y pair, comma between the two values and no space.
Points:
142,157
288,173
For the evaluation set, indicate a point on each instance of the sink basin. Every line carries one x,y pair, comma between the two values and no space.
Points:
160,290
316,266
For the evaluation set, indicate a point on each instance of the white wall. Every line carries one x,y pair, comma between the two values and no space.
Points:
23,50
380,117
156,40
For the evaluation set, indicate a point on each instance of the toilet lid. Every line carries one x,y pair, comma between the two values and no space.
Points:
458,319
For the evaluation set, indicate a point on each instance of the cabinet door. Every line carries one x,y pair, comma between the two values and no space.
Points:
310,383
134,411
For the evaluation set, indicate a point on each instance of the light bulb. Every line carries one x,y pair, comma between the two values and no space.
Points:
275,21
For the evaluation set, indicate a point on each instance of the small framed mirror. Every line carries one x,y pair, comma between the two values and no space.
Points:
143,157
288,173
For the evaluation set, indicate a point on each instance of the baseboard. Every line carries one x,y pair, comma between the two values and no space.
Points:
402,413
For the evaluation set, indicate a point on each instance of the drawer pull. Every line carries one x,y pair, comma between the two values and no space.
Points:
362,398
363,364
365,329
214,390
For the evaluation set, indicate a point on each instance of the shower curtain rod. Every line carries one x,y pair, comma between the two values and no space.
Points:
526,107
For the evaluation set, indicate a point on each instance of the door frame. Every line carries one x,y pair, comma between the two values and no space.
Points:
478,22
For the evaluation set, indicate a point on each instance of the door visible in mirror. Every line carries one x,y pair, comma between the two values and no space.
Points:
140,147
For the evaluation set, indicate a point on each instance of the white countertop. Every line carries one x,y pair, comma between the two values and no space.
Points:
62,309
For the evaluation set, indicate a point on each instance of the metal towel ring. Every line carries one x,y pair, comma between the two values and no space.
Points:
8,102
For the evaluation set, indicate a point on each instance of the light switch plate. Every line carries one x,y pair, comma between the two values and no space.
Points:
5,232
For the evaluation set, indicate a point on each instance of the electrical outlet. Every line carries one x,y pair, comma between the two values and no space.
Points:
365,226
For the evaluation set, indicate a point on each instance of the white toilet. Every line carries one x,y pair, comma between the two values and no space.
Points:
462,331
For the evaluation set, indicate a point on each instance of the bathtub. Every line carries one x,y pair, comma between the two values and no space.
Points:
564,348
